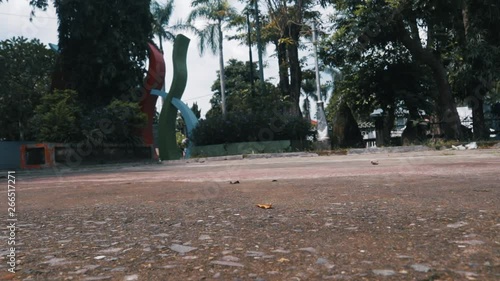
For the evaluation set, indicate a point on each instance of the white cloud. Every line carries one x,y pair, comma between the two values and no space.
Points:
15,15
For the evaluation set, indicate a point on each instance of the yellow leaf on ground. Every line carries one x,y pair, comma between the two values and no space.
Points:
265,206
283,260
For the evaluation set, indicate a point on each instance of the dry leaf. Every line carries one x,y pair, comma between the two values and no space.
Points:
265,206
283,260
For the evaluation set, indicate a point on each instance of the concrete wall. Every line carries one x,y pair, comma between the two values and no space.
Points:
241,148
75,155
10,154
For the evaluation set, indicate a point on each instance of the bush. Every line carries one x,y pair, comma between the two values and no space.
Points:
119,122
57,117
245,127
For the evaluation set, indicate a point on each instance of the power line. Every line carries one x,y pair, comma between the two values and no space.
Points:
26,16
198,97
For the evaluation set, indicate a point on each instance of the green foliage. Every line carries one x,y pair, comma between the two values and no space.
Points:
25,75
127,118
288,22
215,13
103,47
180,125
179,137
196,110
239,94
309,91
156,118
244,127
460,49
161,18
57,117
121,120
40,4
473,64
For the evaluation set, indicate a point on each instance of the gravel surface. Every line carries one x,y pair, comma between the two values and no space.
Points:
413,216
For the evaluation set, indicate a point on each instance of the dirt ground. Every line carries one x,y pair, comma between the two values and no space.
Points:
414,216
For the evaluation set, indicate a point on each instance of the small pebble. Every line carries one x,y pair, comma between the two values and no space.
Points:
421,267
133,277
383,272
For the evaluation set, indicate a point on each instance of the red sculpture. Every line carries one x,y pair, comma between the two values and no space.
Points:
155,79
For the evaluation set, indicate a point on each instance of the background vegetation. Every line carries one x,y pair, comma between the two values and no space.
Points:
403,57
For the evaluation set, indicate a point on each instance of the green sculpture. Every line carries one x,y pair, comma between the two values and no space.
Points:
167,143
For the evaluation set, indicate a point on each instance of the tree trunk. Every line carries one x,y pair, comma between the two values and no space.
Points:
259,48
307,109
388,124
476,102
284,82
21,130
412,134
161,44
479,126
379,131
221,66
346,132
295,70
447,110
474,88
250,57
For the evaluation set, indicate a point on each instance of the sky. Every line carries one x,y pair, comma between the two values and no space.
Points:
202,71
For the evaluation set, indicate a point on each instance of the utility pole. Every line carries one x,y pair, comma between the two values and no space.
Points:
259,47
316,63
252,82
322,124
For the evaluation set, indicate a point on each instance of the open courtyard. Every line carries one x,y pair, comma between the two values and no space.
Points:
401,216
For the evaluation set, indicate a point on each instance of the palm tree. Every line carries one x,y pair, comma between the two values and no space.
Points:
260,48
215,13
241,22
309,88
243,25
335,75
161,18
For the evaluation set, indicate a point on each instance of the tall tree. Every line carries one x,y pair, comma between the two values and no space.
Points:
249,33
239,96
161,19
287,19
476,70
260,47
57,118
250,56
103,47
372,26
216,13
25,73
195,109
244,28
